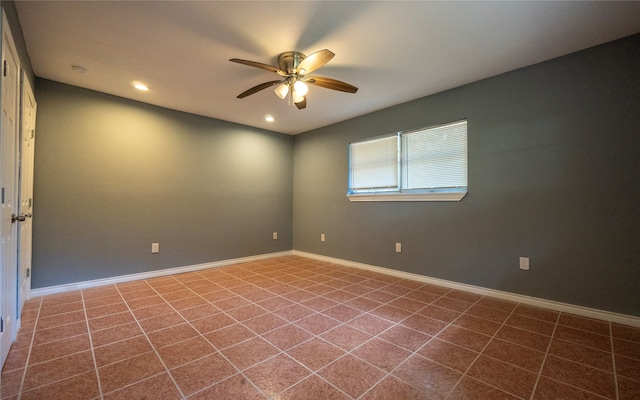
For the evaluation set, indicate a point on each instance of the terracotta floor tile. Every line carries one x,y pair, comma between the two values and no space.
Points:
121,350
390,313
382,354
171,335
628,389
626,348
246,312
351,375
450,355
106,310
393,388
537,313
488,313
51,350
477,324
523,338
463,337
181,353
404,337
204,372
78,387
103,300
274,303
16,359
370,323
471,389
287,336
309,329
628,367
250,352
161,321
110,321
60,332
313,387
212,322
197,312
580,375
11,381
276,374
439,313
530,324
549,389
582,354
265,323
586,324
434,379
118,375
346,337
523,357
159,387
625,332
50,371
59,320
106,336
294,312
342,313
145,302
237,387
317,323
428,326
502,305
509,378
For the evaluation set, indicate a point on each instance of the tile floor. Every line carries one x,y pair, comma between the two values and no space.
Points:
296,328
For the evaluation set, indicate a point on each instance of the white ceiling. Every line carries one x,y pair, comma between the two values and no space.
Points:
393,51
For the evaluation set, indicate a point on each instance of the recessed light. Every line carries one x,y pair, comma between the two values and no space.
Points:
140,86
269,118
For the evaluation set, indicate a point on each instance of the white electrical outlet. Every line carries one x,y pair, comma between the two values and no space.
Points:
275,235
155,248
524,263
322,237
398,247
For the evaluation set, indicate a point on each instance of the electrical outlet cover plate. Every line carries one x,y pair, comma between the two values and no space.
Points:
524,263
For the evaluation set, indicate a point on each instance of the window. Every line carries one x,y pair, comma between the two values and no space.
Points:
423,165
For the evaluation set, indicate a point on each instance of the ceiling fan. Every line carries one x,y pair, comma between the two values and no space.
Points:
294,66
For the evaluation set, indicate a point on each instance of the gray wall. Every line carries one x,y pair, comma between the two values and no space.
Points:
554,154
113,175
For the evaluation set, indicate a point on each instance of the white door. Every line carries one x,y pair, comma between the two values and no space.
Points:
27,142
8,148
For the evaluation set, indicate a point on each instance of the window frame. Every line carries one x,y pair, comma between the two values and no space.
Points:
401,194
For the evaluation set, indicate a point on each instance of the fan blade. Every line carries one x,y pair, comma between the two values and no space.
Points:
314,61
258,88
331,84
256,64
303,104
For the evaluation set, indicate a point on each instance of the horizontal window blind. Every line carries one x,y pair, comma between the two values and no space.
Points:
374,164
435,158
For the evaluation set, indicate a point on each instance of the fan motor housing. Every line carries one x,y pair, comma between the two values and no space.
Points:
289,61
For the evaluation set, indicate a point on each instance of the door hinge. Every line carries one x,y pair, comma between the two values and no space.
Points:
2,195
5,65
28,272
1,324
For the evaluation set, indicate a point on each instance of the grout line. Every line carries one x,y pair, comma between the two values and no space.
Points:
26,364
93,354
613,361
546,355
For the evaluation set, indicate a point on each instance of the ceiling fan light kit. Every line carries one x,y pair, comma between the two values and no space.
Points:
294,66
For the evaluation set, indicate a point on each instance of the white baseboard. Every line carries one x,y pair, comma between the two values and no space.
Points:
151,274
518,298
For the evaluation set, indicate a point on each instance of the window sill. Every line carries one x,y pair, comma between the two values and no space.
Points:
443,196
